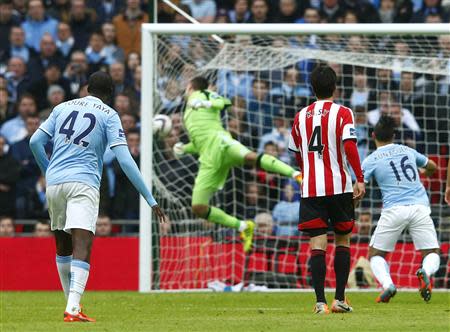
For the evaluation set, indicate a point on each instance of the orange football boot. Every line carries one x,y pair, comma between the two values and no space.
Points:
80,317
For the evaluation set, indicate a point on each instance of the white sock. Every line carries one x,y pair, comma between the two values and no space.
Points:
242,226
431,263
380,269
79,273
63,266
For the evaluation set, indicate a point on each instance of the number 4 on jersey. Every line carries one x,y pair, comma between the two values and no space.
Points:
315,142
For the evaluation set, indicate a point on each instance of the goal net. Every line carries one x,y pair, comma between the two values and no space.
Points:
267,79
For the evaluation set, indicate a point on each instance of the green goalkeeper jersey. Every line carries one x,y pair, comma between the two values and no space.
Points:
203,123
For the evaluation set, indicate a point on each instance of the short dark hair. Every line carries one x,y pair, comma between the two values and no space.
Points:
100,84
199,83
384,130
323,81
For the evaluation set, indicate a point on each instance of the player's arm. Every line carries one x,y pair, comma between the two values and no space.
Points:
429,166
294,142
348,134
213,101
37,146
132,172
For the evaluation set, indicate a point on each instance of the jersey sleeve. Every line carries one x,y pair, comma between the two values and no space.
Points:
368,167
294,138
114,131
421,160
348,125
49,125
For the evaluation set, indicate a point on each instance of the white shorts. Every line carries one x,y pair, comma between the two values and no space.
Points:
73,205
393,221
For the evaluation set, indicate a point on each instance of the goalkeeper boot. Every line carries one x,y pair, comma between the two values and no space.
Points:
79,317
321,308
341,306
386,295
247,235
424,285
298,176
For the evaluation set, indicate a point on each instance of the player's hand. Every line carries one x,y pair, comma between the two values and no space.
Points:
161,216
359,190
178,149
447,195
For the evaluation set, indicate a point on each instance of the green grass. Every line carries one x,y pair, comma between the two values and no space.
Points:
126,311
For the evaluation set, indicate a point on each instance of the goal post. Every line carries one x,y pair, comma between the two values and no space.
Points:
205,244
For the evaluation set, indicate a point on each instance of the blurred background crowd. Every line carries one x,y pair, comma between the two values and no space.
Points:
49,48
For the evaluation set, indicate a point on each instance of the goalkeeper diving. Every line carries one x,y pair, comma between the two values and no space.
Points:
218,152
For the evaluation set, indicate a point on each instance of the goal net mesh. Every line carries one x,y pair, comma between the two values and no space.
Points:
267,79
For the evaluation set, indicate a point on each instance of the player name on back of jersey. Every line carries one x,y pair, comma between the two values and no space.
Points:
399,149
84,103
320,111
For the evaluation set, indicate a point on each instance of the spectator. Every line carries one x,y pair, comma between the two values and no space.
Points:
260,108
122,103
240,12
331,10
37,24
362,131
117,72
52,76
433,18
20,9
234,83
7,21
106,9
259,12
135,90
264,224
49,55
286,213
128,122
197,53
65,42
17,47
128,27
203,11
362,95
7,228
279,135
42,229
312,15
387,11
104,226
252,201
95,53
55,96
17,77
430,7
288,11
270,182
77,71
111,49
82,22
29,171
6,108
14,130
171,97
9,174
126,199
364,10
60,10
364,226
133,60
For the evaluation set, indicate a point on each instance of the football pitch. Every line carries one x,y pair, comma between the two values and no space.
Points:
127,311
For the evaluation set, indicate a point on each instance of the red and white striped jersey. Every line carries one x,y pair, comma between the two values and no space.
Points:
317,135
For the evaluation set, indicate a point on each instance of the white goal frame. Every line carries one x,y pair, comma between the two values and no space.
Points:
149,61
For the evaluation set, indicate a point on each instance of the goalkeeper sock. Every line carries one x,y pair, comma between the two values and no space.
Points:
431,263
271,164
342,270
218,216
380,269
318,272
79,274
63,266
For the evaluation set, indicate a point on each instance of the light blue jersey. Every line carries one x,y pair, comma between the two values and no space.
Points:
81,129
394,167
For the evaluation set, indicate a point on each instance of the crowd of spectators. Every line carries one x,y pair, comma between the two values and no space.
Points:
49,49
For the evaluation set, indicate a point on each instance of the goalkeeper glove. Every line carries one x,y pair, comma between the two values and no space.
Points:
196,104
178,149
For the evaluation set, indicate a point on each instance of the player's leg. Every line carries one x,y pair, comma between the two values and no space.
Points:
424,236
342,217
57,205
391,224
313,221
82,212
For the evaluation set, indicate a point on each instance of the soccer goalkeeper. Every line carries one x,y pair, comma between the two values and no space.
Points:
218,152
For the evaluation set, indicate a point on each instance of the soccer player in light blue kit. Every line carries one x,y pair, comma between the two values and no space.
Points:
81,130
405,206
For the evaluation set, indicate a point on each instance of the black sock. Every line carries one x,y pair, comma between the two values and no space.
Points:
318,271
342,270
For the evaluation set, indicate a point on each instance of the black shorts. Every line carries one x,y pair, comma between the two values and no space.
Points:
318,213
